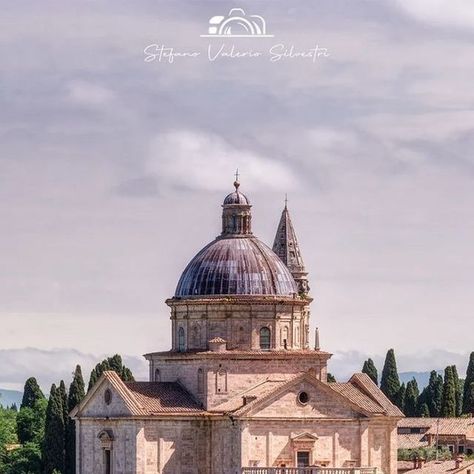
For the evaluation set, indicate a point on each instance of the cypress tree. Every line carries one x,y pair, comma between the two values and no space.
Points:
458,384
331,378
112,363
31,393
423,410
435,393
448,405
468,397
390,383
76,394
370,369
63,393
411,398
400,397
469,405
53,445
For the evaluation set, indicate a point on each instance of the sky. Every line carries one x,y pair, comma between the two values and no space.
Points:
113,170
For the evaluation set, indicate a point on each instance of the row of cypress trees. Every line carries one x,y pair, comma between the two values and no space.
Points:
44,429
443,397
57,439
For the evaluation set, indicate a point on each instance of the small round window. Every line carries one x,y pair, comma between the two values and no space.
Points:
303,398
107,397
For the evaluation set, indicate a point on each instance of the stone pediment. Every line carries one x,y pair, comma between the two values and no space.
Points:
304,437
109,397
305,396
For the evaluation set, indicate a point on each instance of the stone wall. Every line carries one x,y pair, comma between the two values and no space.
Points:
227,377
240,324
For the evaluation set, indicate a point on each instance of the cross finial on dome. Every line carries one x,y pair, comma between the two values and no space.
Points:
236,182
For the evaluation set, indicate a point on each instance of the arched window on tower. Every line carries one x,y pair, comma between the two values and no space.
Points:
157,375
265,338
181,345
200,381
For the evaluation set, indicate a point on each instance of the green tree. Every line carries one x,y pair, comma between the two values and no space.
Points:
31,393
331,378
448,404
458,385
411,398
400,397
7,432
111,363
30,422
435,393
76,395
390,382
468,396
63,393
423,410
53,446
24,460
370,369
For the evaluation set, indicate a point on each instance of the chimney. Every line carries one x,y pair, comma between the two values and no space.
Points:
458,462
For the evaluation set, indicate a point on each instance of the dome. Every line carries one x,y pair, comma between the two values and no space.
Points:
236,266
236,197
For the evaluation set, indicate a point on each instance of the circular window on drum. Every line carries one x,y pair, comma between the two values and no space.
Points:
303,397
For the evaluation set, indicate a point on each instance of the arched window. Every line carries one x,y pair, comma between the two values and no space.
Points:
200,381
181,346
265,338
196,336
157,375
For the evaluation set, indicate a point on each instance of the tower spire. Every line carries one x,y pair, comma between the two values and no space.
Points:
286,247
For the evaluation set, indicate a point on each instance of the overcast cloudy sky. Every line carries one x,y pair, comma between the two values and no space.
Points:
113,169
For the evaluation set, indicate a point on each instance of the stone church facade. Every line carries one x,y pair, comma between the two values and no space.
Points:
240,387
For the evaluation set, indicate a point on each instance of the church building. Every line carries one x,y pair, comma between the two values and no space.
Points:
241,390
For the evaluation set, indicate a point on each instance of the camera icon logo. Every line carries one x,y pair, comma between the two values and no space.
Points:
237,24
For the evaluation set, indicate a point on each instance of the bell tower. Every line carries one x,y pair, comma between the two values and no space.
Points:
286,247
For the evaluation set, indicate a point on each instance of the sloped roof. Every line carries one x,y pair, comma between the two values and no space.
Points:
447,426
364,383
147,398
412,441
434,467
163,397
349,391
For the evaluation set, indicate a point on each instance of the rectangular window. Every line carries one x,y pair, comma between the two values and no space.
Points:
302,458
107,461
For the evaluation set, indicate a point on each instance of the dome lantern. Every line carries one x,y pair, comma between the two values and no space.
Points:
236,215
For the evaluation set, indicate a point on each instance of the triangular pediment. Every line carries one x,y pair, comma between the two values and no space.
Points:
303,397
108,398
303,437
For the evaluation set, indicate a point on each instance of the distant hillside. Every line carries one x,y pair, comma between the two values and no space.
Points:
9,397
422,378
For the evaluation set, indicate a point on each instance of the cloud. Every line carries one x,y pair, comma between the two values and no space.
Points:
89,94
344,363
198,160
51,366
458,13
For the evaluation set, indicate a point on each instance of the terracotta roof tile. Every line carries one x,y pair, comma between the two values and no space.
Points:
352,393
412,441
163,397
434,467
366,385
447,426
